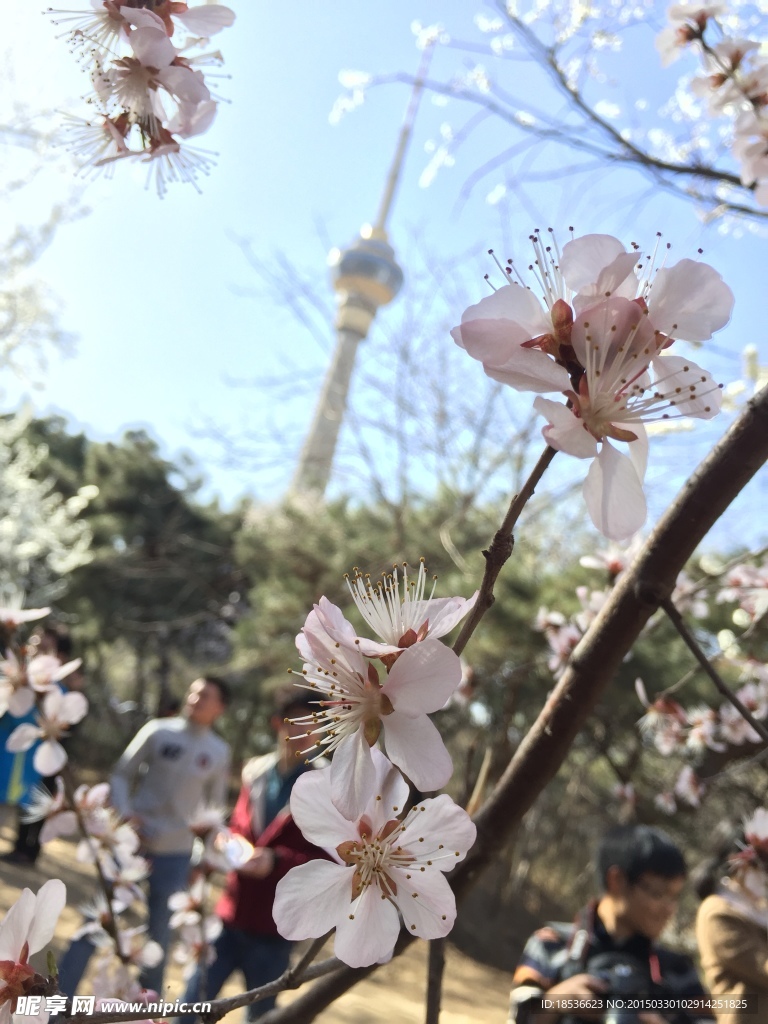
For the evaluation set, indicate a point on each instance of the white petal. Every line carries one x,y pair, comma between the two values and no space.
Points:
584,258
22,738
513,303
565,432
142,18
616,279
441,820
426,902
62,824
152,47
74,707
372,933
186,85
313,811
677,373
689,301
21,702
638,450
206,21
49,758
15,926
423,678
614,495
51,898
311,899
390,792
417,748
352,775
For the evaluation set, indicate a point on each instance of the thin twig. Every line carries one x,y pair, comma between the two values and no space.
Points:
220,1007
693,645
501,548
435,970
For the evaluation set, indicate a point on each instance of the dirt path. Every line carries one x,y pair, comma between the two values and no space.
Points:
393,995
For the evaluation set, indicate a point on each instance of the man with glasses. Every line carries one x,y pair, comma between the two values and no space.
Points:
611,948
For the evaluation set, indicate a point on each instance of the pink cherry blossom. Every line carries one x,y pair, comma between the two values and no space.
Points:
689,787
396,610
386,867
355,707
618,347
26,929
59,711
20,682
664,721
687,22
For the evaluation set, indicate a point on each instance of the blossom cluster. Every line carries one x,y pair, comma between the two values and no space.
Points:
148,87
734,83
387,861
600,335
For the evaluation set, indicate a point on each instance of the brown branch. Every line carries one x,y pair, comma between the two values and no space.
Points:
718,480
691,643
500,549
435,969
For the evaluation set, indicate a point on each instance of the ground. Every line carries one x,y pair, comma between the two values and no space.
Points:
395,993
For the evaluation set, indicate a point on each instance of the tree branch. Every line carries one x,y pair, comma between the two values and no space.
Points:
718,480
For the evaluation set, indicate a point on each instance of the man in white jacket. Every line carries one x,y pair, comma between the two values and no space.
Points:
170,768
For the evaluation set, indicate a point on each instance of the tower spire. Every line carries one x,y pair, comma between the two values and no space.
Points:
365,276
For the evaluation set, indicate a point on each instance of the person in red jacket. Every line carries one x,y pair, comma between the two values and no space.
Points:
249,941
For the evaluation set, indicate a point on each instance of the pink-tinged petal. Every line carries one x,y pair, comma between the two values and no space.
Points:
206,21
22,738
311,899
514,304
352,775
42,670
417,748
565,432
186,85
441,817
497,344
193,118
142,18
689,301
426,901
74,707
370,934
313,811
331,619
444,621
51,898
62,824
617,279
423,678
614,495
21,702
15,926
692,390
49,758
15,616
390,792
62,671
584,258
152,47
638,450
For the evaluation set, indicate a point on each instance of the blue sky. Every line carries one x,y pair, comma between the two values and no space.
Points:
152,288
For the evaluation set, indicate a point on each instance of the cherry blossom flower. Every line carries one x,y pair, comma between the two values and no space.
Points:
687,23
355,708
665,802
207,818
193,940
20,682
756,830
187,905
51,809
689,787
734,728
617,345
12,616
385,867
614,558
664,721
26,929
97,915
401,617
59,711
703,730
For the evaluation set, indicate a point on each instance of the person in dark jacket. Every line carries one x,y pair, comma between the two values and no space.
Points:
612,947
249,941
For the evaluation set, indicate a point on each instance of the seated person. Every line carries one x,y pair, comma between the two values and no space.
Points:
641,875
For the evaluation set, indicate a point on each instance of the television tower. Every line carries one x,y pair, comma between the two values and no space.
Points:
365,276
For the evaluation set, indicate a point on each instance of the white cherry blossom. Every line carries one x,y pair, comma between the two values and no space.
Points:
386,867
26,929
355,707
58,712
